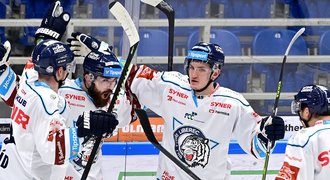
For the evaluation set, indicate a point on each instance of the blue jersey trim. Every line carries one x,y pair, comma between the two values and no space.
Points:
259,149
64,106
77,82
174,83
42,101
302,146
232,98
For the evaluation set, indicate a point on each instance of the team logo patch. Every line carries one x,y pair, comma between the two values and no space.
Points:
288,172
191,146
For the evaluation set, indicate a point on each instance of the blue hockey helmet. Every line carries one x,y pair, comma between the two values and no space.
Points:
315,97
49,55
100,64
206,52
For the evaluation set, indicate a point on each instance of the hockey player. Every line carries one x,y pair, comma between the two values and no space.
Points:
307,152
90,92
41,142
201,116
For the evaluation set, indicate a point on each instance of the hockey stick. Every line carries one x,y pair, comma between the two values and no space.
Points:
144,120
121,14
170,14
277,98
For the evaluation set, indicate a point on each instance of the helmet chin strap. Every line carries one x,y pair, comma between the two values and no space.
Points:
206,86
60,82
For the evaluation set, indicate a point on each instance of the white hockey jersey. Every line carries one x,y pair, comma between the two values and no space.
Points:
197,130
78,101
307,154
43,143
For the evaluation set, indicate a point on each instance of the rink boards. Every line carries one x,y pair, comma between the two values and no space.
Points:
139,160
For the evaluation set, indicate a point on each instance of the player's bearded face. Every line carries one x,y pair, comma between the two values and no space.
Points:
102,91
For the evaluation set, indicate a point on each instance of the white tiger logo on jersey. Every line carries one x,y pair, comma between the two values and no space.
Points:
191,146
195,150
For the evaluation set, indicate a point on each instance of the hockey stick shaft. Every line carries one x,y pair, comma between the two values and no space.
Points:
170,14
144,120
120,13
278,94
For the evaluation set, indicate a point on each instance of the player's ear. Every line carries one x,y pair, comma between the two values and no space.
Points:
60,73
216,73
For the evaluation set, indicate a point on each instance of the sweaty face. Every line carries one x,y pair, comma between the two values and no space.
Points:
199,74
102,90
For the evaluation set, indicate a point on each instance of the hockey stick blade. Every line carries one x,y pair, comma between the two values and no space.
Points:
170,14
144,120
122,16
278,94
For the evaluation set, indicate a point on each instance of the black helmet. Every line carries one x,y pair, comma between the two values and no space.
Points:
206,52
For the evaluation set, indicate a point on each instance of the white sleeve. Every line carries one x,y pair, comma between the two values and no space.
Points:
245,130
54,141
299,160
149,88
123,109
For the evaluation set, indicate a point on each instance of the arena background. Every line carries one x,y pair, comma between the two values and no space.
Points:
252,62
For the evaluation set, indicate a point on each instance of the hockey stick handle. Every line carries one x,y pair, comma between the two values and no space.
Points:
279,86
277,97
145,123
170,14
123,17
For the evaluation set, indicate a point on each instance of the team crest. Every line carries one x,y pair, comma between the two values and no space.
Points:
191,146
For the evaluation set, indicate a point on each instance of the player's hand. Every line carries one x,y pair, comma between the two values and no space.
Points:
271,128
53,24
96,123
4,56
82,44
131,97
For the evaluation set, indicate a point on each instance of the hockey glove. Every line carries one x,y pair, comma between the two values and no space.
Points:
271,128
4,56
54,23
82,44
96,123
80,161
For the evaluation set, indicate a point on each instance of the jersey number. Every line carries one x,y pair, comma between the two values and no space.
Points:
20,117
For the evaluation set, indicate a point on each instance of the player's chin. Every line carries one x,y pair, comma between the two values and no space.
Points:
106,95
194,86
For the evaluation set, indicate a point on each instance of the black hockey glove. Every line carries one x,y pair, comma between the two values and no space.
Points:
54,23
271,128
96,123
82,44
4,55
